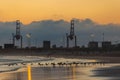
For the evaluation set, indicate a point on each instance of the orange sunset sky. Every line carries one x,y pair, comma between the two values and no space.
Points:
101,11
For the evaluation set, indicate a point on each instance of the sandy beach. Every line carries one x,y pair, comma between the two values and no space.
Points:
87,69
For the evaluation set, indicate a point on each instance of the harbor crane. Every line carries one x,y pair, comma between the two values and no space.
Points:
72,35
17,36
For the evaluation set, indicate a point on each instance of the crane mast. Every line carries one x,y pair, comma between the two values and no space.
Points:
71,30
18,35
18,29
72,35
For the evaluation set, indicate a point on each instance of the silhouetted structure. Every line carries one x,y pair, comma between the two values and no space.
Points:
46,44
17,36
8,46
106,44
72,35
93,44
0,47
54,46
118,46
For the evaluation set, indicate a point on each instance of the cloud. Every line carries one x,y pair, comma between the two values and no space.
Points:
55,31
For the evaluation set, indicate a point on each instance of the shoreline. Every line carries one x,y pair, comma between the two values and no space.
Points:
98,58
107,59
107,56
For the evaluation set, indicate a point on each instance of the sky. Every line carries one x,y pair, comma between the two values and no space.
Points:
100,11
50,20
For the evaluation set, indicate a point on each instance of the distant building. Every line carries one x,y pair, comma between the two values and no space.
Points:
0,47
46,44
118,45
54,46
93,44
106,44
8,46
33,47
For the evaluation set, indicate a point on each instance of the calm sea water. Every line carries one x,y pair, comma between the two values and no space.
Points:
81,72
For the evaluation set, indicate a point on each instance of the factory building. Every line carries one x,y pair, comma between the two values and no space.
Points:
0,47
8,46
106,44
46,44
54,46
93,44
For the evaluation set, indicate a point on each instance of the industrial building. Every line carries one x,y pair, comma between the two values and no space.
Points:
54,46
8,46
46,44
106,44
0,47
93,44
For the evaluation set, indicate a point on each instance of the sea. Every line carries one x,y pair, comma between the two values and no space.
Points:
51,68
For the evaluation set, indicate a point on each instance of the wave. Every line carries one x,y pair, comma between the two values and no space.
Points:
14,63
9,69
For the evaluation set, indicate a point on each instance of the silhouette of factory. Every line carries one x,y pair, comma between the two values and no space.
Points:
17,37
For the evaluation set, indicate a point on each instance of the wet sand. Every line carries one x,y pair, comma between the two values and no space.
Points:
112,72
80,72
96,72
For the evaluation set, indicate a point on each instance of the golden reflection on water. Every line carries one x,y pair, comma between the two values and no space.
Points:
73,73
29,72
53,73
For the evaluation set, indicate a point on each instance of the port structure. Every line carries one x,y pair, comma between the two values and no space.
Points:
72,35
17,36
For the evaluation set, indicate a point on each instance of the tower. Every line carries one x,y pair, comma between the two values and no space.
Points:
72,35
17,36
